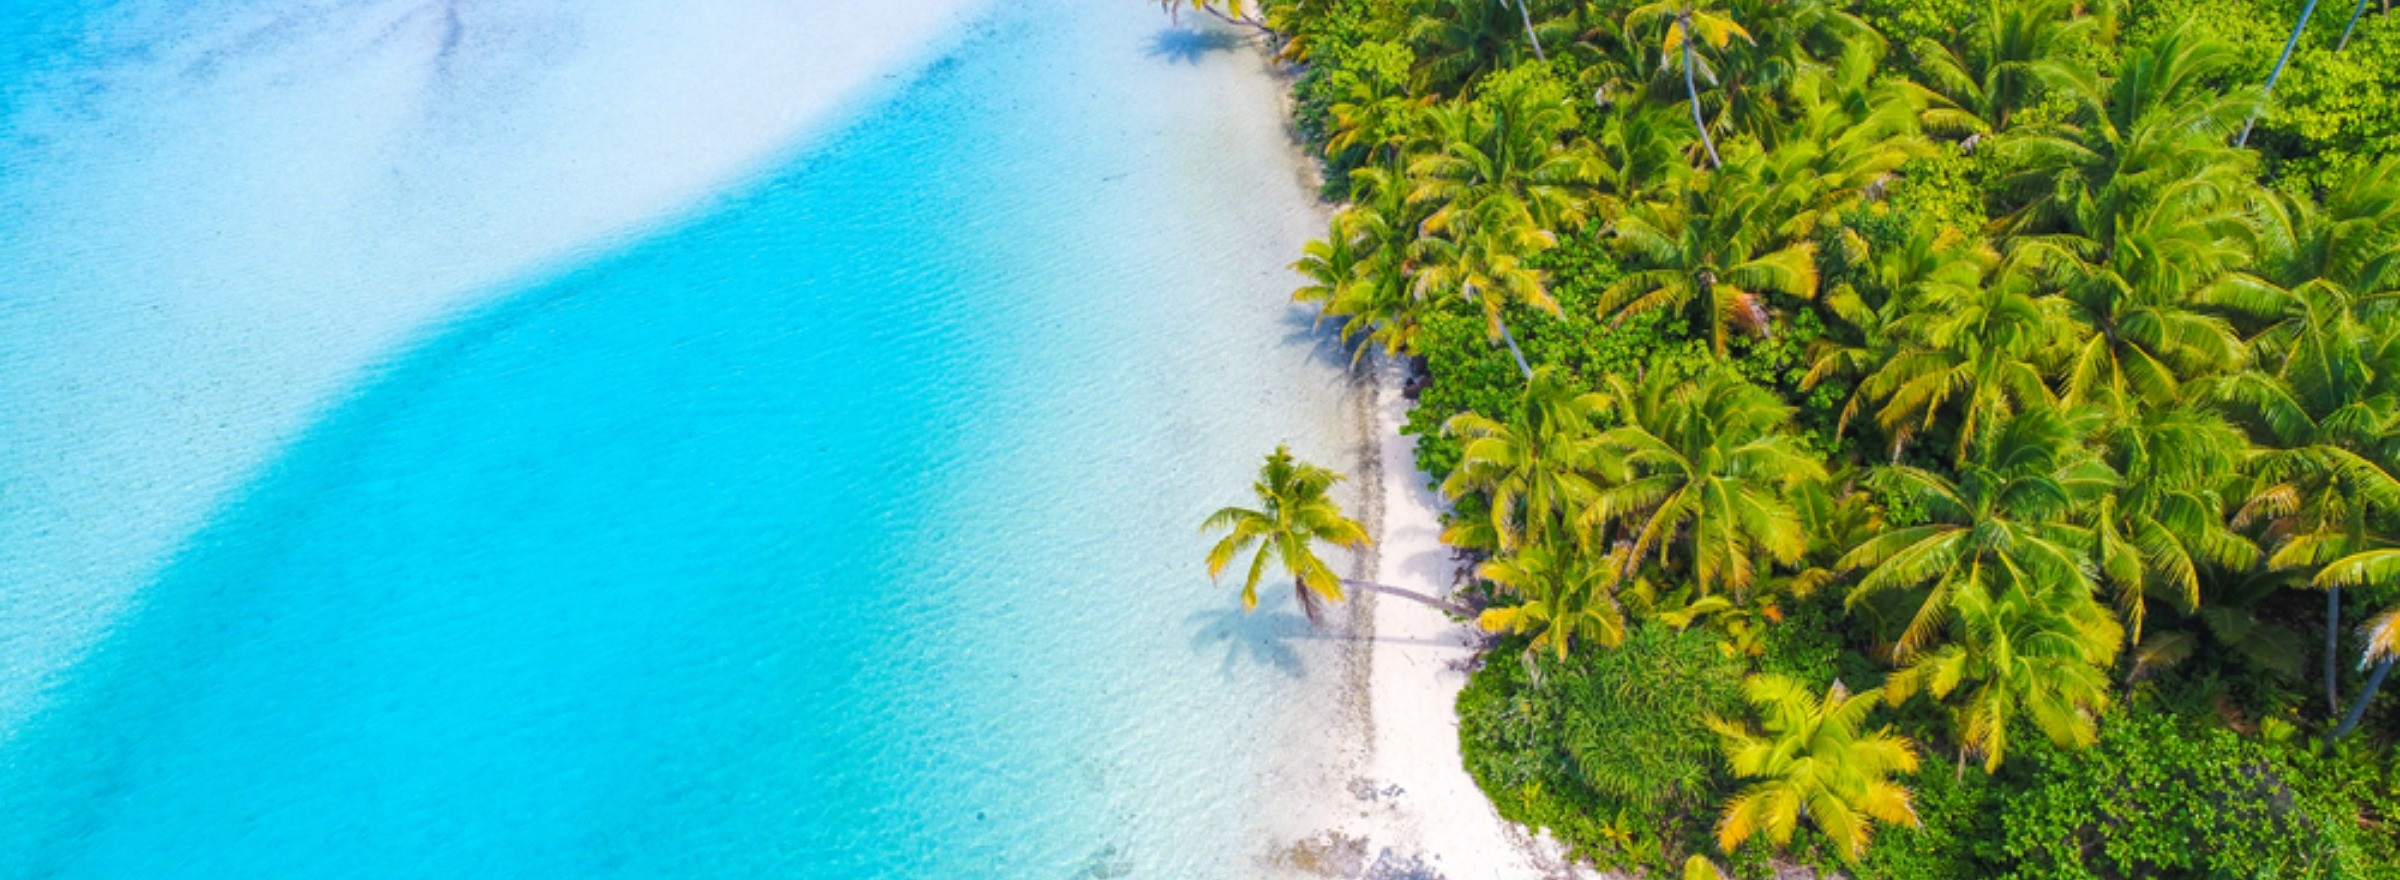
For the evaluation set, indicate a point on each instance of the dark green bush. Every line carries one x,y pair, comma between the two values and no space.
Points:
1608,750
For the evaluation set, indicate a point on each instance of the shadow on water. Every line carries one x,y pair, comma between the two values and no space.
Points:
1189,45
1322,334
1249,639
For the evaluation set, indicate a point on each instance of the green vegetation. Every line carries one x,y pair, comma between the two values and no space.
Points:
1827,385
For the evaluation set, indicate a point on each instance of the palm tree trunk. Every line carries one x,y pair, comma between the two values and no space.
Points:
2353,25
1692,87
2333,638
2359,710
1411,595
1527,14
1308,602
1513,351
2288,46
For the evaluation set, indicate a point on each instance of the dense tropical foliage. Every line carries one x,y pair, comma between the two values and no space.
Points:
2011,384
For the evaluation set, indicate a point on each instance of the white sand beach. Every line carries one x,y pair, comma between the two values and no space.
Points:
1425,809
1390,798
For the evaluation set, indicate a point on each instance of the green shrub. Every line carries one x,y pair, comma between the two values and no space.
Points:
1608,750
2161,798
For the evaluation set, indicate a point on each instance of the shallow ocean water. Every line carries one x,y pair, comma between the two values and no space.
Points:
827,511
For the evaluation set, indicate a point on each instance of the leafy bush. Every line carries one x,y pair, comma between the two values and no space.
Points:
2157,798
1608,750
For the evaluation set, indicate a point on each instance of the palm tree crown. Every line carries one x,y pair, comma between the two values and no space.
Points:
1294,513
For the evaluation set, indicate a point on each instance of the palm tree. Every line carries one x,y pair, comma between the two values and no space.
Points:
2033,650
1459,41
2328,423
2381,632
2317,263
2166,522
1841,134
2155,130
2137,292
1814,759
1360,271
1294,514
1684,19
1709,464
1972,352
1933,265
1711,250
2293,42
1500,179
1371,110
1995,73
2007,518
1538,466
1563,595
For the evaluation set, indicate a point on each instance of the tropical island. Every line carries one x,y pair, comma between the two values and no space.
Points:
1908,439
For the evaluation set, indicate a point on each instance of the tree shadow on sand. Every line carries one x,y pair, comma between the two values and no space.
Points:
1188,46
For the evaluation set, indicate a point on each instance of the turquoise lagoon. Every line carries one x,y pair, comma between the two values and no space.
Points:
498,487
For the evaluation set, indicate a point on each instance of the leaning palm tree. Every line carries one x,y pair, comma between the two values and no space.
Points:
1562,596
2328,467
1710,463
2033,652
1295,513
1685,20
1814,759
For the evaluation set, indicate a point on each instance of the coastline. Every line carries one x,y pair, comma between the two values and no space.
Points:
1381,790
1424,810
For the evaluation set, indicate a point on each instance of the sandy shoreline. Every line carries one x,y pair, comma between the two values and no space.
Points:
1382,793
1409,808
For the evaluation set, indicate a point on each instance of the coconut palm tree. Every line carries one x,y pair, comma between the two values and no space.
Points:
2152,133
2316,260
1814,759
1459,41
1713,251
1933,264
1542,464
2030,651
1969,352
1562,595
2006,518
2381,633
1498,181
2328,467
1709,464
1998,71
1371,110
1294,514
1684,21
2167,520
2137,292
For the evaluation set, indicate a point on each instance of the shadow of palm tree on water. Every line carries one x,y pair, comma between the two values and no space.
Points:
1189,45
